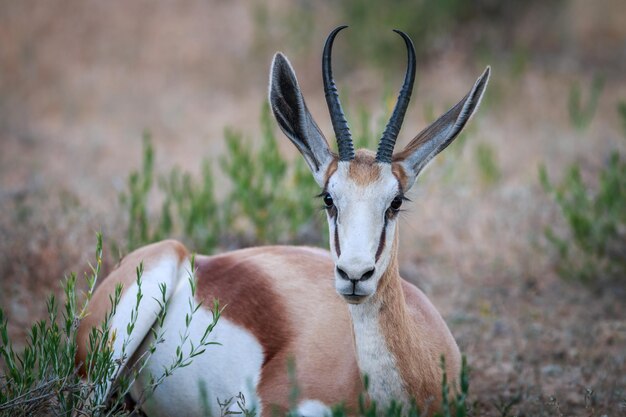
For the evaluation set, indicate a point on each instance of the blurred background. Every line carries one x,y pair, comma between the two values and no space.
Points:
147,119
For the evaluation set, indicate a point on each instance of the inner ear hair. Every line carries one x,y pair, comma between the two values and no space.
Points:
441,133
293,117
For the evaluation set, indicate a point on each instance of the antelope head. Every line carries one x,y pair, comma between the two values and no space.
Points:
363,191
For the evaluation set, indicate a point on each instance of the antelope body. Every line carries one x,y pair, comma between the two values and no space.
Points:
337,314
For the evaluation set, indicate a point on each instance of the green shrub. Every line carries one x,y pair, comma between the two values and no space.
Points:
190,207
266,198
136,199
270,200
43,378
581,115
594,247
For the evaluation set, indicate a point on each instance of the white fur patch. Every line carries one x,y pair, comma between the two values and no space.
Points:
361,211
313,408
224,370
166,271
374,359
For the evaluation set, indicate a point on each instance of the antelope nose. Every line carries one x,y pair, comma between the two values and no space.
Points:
361,274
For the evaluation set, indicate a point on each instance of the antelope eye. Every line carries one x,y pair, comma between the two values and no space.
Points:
328,200
396,203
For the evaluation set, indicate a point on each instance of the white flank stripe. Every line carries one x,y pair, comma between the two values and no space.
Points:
225,370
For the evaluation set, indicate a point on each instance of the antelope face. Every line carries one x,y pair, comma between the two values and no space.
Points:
362,198
362,191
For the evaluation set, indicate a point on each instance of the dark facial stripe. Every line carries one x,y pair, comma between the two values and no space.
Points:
381,241
337,248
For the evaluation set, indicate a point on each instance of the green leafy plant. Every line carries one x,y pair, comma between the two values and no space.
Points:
581,114
182,357
136,199
190,207
594,247
269,200
43,379
455,404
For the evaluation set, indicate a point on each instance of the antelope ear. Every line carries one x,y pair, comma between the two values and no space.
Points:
295,120
436,137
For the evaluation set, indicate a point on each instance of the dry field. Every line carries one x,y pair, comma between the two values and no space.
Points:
81,80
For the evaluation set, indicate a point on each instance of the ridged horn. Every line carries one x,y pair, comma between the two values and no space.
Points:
388,140
338,119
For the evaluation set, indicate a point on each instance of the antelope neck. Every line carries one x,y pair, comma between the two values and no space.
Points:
373,322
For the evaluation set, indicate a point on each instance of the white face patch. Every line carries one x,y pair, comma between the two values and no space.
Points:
362,229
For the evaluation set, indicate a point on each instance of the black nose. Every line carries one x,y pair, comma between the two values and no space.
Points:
367,275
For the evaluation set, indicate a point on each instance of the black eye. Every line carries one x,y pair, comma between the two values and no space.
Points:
328,200
396,203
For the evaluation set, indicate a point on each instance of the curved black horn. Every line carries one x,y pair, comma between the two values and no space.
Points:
340,125
388,140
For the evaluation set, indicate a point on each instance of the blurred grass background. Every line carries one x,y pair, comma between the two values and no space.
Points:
81,82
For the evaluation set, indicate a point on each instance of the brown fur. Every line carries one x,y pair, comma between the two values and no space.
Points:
408,320
125,274
332,167
285,296
400,174
250,302
363,168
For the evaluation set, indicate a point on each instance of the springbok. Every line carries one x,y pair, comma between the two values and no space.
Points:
338,314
